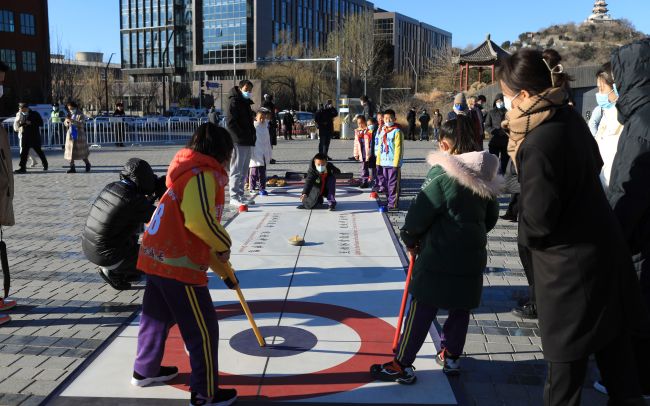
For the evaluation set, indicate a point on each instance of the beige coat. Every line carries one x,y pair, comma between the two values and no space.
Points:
76,149
6,181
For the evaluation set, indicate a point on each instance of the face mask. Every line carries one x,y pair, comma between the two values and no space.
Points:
389,123
603,100
499,105
371,127
507,101
22,113
247,95
320,168
2,91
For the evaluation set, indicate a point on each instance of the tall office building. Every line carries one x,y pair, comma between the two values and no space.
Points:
25,48
221,40
412,41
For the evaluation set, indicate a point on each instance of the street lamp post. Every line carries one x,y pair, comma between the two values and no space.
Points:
415,72
106,81
165,56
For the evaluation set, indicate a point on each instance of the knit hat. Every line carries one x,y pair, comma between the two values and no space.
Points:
460,99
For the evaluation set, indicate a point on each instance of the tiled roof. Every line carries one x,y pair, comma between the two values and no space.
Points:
485,54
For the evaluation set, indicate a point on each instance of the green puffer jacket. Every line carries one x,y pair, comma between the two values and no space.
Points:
449,220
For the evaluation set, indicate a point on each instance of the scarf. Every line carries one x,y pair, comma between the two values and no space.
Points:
529,115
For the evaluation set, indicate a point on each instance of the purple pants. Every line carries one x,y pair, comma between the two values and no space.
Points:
165,302
380,181
392,180
257,173
367,173
416,327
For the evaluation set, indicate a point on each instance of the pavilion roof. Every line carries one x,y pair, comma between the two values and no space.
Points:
488,53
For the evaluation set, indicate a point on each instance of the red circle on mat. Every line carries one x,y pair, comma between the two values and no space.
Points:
375,336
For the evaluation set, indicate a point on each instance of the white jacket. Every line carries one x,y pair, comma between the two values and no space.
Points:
261,155
609,130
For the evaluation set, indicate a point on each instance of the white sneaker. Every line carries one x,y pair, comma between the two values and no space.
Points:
234,201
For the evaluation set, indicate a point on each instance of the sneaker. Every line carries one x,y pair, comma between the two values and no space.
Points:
264,193
527,311
223,397
20,170
234,201
4,319
450,365
165,374
509,217
7,304
272,161
332,207
393,372
301,207
600,387
248,202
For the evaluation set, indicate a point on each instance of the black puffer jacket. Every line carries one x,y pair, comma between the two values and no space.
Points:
629,190
239,119
118,213
313,176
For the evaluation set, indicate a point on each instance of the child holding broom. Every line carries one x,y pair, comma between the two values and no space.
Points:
183,239
446,227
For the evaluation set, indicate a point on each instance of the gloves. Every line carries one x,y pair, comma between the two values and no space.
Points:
230,283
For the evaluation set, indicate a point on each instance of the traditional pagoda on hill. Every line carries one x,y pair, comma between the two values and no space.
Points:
600,13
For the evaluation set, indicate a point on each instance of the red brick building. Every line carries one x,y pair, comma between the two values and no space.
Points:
25,47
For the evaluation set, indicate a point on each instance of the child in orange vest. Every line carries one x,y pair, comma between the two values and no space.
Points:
185,238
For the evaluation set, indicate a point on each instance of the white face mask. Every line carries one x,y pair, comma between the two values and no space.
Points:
389,123
507,101
499,105
2,91
320,168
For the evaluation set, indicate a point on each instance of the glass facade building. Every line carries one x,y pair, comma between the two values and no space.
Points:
156,33
410,39
227,28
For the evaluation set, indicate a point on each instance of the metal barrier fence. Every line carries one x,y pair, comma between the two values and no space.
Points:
110,130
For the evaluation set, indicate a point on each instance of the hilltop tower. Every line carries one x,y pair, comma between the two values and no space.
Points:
600,13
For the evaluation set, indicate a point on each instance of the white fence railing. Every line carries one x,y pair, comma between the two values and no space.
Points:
111,130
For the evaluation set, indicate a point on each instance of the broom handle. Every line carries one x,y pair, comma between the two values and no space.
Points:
403,306
249,315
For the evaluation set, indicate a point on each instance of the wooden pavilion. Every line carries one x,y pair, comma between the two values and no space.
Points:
485,56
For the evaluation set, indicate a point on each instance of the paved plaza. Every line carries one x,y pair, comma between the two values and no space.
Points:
67,316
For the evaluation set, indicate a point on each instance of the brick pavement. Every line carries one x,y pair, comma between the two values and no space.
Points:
65,310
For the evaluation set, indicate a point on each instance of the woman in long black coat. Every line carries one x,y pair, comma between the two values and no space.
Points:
584,279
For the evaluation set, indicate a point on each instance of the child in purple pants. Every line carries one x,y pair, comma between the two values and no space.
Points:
446,227
389,156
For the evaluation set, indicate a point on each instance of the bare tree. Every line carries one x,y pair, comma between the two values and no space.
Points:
440,70
66,78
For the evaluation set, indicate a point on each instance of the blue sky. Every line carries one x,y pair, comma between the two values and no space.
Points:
93,25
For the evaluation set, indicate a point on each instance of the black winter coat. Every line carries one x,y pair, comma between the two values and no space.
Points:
240,119
629,187
424,120
31,132
410,118
117,215
582,269
325,120
493,121
313,176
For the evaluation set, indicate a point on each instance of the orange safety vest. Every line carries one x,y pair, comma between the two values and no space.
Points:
169,249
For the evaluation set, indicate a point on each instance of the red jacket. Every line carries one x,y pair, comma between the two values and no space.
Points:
184,233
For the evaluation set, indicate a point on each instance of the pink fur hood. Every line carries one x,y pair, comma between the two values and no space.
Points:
476,171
